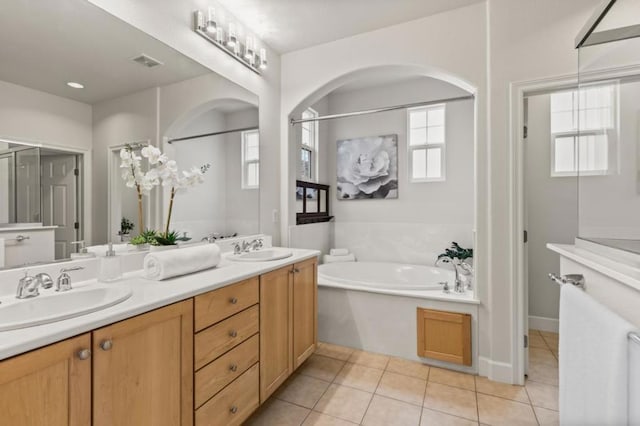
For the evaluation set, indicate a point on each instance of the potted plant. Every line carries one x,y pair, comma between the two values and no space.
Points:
167,240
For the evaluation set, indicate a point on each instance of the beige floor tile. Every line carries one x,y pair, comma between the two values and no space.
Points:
543,395
498,411
452,378
369,359
359,377
344,402
408,368
533,331
552,342
302,390
334,351
542,356
436,418
547,417
278,413
451,400
503,390
549,334
390,412
556,354
319,419
536,341
543,373
321,367
404,388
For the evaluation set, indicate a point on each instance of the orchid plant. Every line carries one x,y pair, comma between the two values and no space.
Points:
161,170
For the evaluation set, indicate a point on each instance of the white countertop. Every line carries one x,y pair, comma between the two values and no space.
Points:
147,296
622,271
26,228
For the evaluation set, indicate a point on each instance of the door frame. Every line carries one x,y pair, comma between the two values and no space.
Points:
517,93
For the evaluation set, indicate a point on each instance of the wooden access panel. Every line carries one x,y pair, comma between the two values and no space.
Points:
305,310
445,336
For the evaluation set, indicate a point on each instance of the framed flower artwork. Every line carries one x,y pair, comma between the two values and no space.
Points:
367,167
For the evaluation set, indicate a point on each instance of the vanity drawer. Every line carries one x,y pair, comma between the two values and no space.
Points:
212,378
218,339
217,305
234,404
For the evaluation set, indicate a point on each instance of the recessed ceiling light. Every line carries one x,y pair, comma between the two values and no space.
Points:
75,85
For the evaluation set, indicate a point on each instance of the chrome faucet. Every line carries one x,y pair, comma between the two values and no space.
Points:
29,286
246,247
455,262
256,244
63,283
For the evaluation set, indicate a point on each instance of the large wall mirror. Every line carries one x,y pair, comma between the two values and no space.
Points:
76,86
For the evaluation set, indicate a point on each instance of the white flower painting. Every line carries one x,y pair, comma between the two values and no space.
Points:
367,167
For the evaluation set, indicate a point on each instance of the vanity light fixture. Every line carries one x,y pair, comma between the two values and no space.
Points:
210,25
75,85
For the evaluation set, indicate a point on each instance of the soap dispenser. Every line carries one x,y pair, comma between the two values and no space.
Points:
110,266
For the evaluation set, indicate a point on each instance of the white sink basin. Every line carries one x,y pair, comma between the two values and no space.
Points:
262,255
51,307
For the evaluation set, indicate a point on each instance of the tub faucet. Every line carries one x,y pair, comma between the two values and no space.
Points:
455,262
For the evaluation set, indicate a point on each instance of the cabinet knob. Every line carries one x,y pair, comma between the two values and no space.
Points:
84,354
233,367
106,345
233,333
233,300
296,270
233,409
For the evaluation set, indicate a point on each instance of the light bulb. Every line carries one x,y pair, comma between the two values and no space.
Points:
232,39
263,59
211,21
248,49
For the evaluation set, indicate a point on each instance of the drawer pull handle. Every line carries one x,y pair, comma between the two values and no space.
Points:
233,333
84,354
233,367
233,409
233,300
106,345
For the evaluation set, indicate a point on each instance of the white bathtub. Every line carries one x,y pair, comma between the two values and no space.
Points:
372,306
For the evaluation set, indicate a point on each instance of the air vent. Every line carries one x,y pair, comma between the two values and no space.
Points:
147,61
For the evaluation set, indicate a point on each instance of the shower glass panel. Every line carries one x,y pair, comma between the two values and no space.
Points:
606,119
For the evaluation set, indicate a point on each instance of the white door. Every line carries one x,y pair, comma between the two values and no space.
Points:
59,199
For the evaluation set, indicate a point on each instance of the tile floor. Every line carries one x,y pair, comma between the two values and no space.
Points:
341,386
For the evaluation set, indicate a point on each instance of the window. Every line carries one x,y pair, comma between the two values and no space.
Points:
426,143
583,131
309,147
250,159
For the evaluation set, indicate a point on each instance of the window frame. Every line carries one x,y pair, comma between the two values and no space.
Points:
312,149
245,163
611,134
427,145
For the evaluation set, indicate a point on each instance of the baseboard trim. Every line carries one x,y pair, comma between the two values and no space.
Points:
494,370
551,325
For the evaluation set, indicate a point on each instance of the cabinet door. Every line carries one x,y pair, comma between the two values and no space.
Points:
444,335
48,386
305,298
143,369
275,330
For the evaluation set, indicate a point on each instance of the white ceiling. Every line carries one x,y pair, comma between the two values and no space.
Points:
45,44
288,25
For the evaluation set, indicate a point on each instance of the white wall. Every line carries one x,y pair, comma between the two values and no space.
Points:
170,22
552,213
426,217
243,205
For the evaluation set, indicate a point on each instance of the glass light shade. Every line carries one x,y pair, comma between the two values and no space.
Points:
263,58
232,39
211,26
248,49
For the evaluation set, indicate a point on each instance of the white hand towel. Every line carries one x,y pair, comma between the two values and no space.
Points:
594,361
339,252
634,382
327,258
172,263
2,253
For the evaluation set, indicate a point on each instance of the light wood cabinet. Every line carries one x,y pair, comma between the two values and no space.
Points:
444,335
143,369
288,322
49,386
305,308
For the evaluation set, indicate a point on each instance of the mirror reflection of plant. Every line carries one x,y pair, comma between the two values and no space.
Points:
456,252
178,183
126,226
169,239
146,237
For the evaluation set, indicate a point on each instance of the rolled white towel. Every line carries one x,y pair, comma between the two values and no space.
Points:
327,258
172,263
339,252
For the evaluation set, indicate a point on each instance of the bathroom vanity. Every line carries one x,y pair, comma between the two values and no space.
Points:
204,349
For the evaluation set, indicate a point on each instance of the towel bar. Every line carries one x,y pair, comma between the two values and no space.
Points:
19,238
